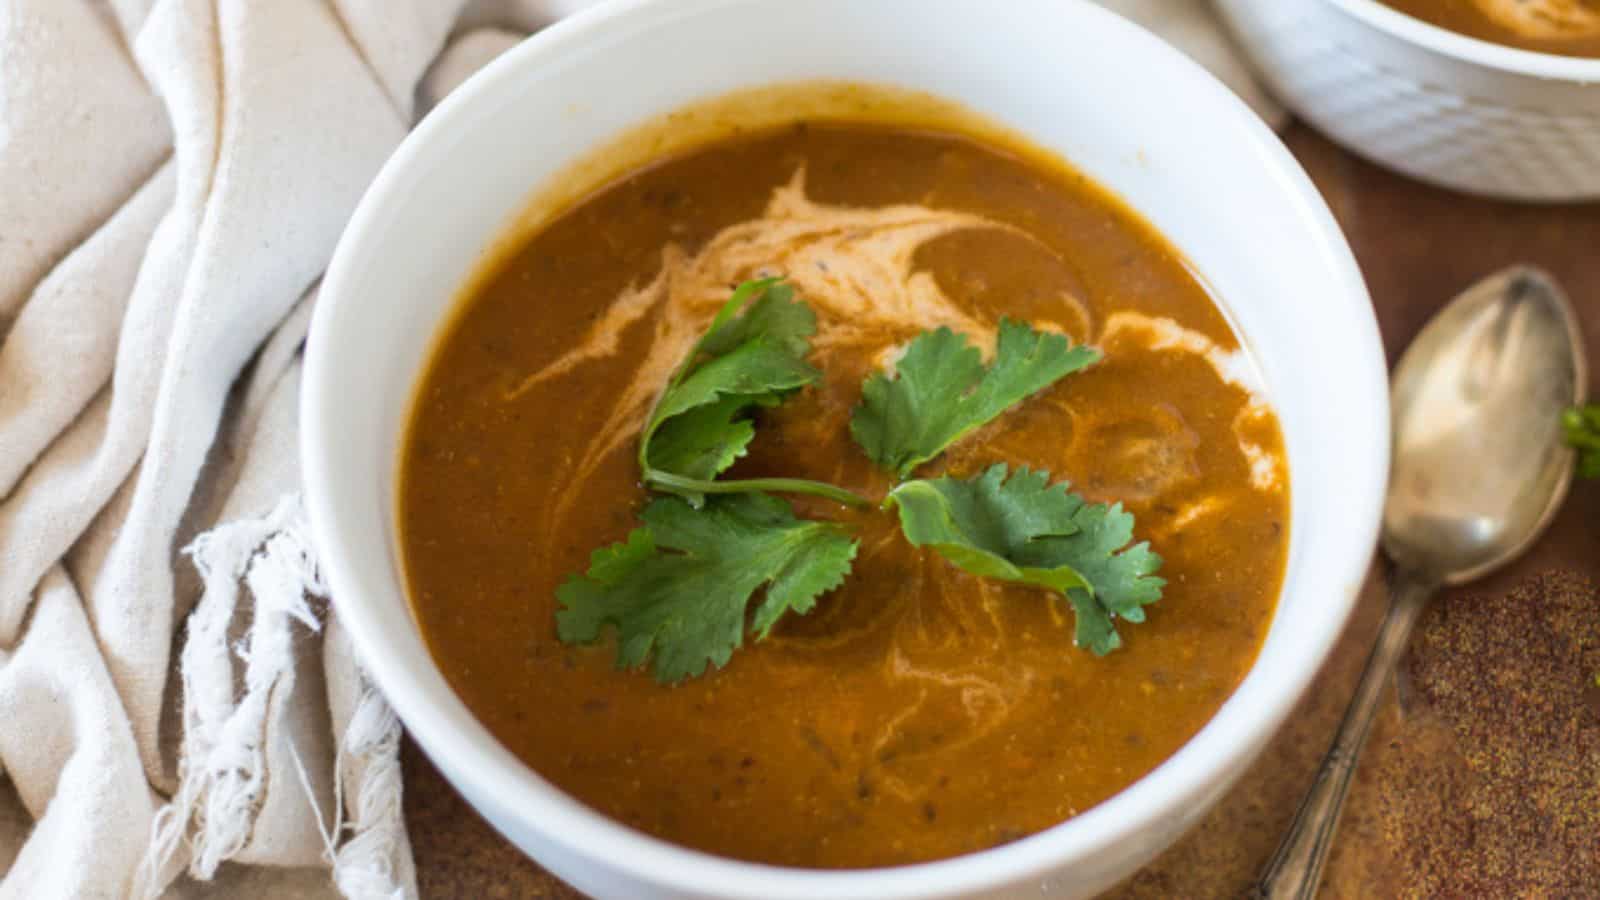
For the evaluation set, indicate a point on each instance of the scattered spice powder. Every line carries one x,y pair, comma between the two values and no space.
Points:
1487,784
1491,788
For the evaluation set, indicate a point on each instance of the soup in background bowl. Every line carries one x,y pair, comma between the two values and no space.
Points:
1562,27
1165,200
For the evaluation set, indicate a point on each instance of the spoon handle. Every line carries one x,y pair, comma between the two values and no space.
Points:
1296,868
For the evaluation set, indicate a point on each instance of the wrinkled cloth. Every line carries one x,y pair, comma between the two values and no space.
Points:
177,695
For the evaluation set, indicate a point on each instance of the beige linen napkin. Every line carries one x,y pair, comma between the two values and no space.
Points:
174,692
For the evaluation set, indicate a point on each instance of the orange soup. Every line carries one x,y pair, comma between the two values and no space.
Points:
1562,27
919,711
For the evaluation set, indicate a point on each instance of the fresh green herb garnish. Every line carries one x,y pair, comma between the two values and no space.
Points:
1582,425
677,589
1024,529
752,356
941,390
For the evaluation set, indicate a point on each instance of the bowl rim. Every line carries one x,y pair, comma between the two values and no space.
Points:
1469,49
1191,775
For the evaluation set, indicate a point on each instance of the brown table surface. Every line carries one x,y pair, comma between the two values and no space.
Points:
1418,246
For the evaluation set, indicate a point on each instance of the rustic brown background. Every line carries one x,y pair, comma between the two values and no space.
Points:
1418,247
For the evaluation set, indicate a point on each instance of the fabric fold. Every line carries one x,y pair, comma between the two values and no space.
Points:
266,225
66,77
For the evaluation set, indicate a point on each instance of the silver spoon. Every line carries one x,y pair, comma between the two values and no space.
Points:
1479,470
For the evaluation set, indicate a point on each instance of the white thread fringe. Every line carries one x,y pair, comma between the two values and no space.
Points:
364,868
222,764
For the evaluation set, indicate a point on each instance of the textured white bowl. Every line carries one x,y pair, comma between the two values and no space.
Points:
1121,105
1433,104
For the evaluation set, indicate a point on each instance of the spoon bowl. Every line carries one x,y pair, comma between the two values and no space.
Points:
1480,465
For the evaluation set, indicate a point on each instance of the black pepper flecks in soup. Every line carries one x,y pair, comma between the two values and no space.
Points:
918,712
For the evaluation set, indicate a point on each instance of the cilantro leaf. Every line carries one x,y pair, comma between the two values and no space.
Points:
1582,426
703,442
940,390
1025,530
678,588
752,355
773,314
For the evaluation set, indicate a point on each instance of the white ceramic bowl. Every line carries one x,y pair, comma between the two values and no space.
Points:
1433,104
1121,105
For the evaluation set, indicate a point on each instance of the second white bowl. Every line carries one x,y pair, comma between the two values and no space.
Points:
1438,106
